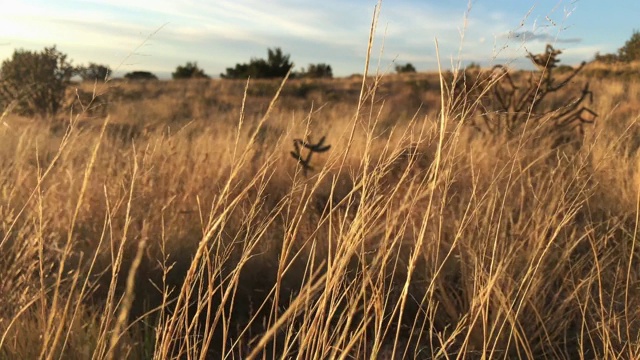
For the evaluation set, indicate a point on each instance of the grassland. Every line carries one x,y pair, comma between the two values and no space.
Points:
168,220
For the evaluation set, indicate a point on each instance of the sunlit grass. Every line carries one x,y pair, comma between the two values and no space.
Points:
413,237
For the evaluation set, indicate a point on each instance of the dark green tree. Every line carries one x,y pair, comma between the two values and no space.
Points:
94,72
277,65
631,49
140,75
189,71
406,68
317,71
35,81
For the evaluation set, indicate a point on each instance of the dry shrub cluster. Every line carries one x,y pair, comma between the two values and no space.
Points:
179,227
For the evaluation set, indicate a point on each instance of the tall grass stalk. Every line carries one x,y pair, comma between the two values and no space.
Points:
413,237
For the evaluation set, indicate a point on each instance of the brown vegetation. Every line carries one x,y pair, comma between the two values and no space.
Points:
173,222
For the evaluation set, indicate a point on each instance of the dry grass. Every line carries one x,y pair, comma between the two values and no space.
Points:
413,237
627,71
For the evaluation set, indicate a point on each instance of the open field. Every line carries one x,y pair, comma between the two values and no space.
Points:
169,220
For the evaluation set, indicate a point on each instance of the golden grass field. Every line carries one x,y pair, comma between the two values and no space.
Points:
169,220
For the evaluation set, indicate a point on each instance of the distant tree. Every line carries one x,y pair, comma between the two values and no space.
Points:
276,65
94,72
406,68
631,49
35,81
316,71
473,66
241,71
629,52
189,71
606,58
140,75
564,69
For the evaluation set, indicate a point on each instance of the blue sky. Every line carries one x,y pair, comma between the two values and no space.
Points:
158,35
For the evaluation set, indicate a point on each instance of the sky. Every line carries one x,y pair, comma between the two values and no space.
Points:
158,35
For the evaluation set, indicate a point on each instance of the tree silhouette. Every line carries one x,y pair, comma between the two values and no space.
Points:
631,49
94,72
277,65
140,75
606,58
316,71
406,68
189,71
627,53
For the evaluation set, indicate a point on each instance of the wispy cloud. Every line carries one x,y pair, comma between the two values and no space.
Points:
541,37
219,34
